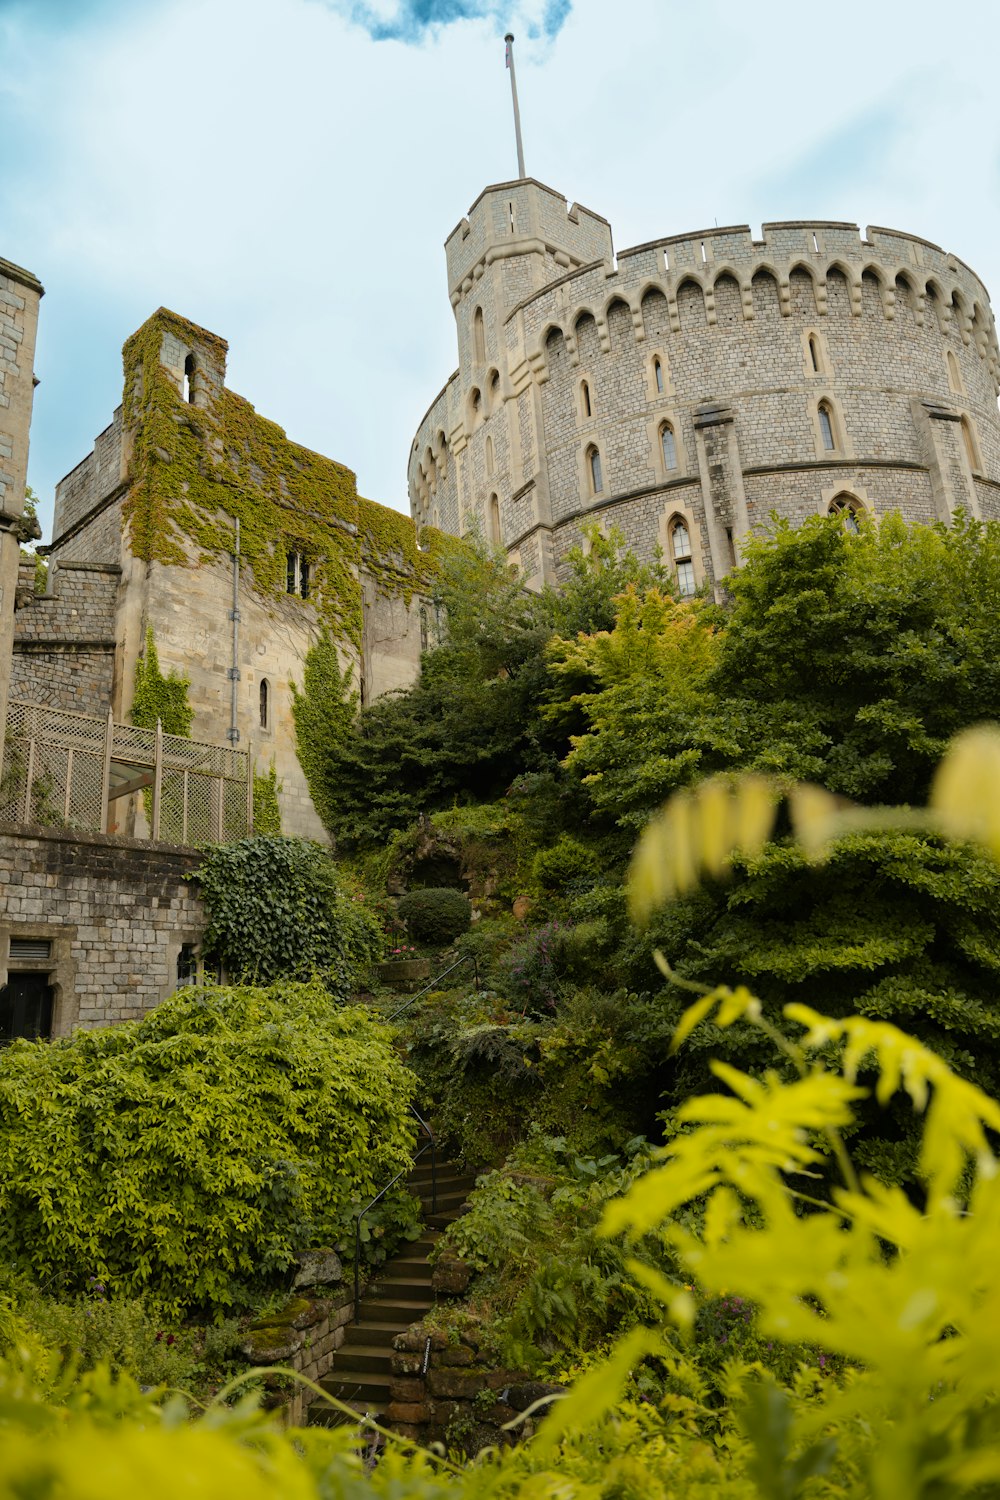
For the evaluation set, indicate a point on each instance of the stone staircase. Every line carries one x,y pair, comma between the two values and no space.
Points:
399,1294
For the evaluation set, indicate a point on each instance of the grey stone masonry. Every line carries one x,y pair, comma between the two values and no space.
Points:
115,912
709,378
64,641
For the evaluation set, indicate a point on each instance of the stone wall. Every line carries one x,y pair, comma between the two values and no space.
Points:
302,1336
445,1392
64,640
743,347
115,911
20,293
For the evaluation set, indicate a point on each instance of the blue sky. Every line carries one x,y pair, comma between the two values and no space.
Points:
285,171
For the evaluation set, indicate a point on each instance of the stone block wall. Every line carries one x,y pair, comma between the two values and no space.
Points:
303,1336
445,1392
64,641
115,911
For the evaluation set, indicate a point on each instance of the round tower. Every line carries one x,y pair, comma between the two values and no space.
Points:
685,391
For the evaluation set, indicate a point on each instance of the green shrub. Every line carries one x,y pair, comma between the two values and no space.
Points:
123,1333
279,908
567,863
191,1154
435,915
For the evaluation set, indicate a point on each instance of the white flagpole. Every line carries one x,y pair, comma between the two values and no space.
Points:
509,39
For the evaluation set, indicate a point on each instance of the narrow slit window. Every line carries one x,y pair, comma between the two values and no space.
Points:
814,352
668,444
596,476
189,380
489,455
495,534
479,336
585,399
658,375
265,706
826,429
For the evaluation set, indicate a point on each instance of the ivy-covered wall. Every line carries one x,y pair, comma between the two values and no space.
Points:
182,461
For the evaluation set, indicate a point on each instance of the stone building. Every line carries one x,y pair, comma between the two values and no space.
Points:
196,523
687,388
197,526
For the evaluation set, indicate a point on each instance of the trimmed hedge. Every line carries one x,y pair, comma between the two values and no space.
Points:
435,915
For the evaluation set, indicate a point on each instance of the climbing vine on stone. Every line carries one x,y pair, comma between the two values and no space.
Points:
159,697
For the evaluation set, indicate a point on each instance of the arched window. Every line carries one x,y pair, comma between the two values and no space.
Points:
189,380
478,337
668,446
594,470
297,575
814,352
658,375
826,427
494,389
954,374
585,405
848,507
489,455
494,514
681,556
265,694
475,406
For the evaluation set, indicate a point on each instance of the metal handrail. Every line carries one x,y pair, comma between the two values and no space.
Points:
431,1146
467,958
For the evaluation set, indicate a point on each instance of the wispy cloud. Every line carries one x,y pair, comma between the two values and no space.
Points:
412,21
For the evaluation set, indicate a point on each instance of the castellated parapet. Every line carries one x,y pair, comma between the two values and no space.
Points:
694,385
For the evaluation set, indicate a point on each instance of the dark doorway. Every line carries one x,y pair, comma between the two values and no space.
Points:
25,1007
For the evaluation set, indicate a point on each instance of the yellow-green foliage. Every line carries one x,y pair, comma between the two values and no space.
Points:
158,698
266,809
196,468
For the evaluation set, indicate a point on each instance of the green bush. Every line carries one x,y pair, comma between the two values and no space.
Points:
566,863
435,915
191,1154
279,908
121,1332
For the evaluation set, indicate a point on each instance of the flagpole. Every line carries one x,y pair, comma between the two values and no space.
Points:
509,39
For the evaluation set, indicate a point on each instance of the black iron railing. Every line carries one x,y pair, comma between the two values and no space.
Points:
429,1145
432,984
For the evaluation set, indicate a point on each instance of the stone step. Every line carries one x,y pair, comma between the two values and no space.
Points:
409,1288
385,1309
321,1415
369,1358
367,1389
371,1331
406,1265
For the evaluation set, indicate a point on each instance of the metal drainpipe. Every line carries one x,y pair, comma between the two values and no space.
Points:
234,671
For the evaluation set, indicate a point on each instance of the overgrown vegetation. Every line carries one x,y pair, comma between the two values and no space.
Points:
189,1155
158,698
280,908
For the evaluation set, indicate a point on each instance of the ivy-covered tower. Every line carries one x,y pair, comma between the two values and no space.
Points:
196,523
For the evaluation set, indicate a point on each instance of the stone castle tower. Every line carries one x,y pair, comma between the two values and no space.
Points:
687,389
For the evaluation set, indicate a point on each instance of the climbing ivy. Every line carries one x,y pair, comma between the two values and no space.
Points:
323,710
158,697
194,469
266,809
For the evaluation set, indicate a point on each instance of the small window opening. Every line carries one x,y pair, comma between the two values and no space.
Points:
25,1007
704,256
668,444
815,242
264,704
813,352
680,548
297,575
187,964
658,375
666,259
479,336
510,210
489,455
826,429
495,534
596,476
189,380
585,398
